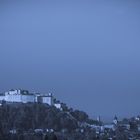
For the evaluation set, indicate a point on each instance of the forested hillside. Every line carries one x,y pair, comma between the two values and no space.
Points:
32,116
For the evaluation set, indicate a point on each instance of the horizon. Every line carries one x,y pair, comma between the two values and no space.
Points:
105,119
85,52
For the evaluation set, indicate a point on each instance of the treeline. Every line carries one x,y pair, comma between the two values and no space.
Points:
31,116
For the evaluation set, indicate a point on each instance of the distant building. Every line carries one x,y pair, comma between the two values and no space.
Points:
58,105
23,96
109,126
99,119
2,97
139,127
115,121
125,126
137,118
46,99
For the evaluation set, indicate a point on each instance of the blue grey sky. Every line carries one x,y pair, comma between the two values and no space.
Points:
87,53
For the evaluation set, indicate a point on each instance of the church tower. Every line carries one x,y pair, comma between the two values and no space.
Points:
115,121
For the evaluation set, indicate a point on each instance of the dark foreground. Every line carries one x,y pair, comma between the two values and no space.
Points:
43,122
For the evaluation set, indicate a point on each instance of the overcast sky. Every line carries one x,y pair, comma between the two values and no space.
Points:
86,52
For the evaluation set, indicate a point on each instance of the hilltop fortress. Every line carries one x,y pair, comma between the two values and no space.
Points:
23,96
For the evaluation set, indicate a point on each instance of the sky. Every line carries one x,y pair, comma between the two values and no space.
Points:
86,52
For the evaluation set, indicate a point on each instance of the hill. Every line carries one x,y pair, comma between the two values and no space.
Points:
36,116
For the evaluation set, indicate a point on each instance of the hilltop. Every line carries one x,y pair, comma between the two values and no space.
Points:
20,117
27,116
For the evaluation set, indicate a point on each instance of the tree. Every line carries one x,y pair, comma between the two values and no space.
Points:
80,115
52,137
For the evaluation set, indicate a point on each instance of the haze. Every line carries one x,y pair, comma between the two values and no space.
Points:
87,53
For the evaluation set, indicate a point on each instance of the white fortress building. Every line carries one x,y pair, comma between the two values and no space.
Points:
23,96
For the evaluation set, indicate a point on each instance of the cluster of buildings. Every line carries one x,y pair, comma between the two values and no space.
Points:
126,129
23,96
